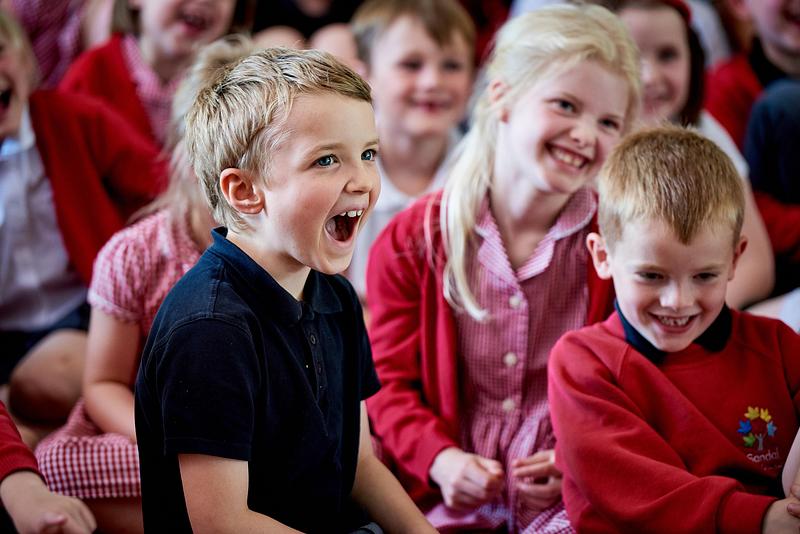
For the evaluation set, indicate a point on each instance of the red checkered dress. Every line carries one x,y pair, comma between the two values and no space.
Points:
132,275
504,359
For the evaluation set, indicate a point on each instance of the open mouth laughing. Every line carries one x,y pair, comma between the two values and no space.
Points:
342,227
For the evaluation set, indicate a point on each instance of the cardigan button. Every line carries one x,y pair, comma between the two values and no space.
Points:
510,359
515,300
509,405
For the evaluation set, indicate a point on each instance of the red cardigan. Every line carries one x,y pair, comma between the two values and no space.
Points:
415,415
731,90
14,454
99,168
680,446
102,73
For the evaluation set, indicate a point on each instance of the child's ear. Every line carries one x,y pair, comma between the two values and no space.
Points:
497,91
597,248
738,250
239,191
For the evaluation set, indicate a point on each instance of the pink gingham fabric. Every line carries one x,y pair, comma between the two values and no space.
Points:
54,29
155,94
132,275
504,359
139,265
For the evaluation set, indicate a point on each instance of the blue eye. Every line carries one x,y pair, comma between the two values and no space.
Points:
326,161
564,105
369,154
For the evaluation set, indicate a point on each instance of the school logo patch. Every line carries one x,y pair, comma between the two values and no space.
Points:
758,432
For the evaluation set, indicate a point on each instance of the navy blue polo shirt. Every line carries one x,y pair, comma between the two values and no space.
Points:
235,367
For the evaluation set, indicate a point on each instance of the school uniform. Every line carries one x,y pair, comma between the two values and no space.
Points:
733,86
235,367
689,441
116,74
479,387
133,273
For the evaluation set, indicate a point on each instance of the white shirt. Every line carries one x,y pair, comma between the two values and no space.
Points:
390,202
37,284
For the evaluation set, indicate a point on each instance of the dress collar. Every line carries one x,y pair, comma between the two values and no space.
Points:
713,339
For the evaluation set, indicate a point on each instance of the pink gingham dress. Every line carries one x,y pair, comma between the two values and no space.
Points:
156,95
132,274
504,359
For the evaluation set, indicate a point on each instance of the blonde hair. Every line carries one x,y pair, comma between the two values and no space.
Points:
17,39
442,20
528,49
669,174
184,194
239,117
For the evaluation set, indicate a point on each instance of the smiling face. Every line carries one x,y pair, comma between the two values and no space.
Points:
15,87
418,87
323,182
173,28
560,131
668,291
660,35
777,23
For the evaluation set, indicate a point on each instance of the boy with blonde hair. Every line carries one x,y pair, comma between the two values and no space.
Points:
676,414
419,62
249,398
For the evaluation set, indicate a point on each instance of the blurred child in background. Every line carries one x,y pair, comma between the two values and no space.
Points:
94,456
154,41
419,58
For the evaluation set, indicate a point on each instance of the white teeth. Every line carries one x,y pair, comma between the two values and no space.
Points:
360,212
673,321
569,159
351,213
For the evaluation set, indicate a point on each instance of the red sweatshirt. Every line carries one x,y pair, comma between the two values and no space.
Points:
102,73
99,168
412,330
14,454
694,443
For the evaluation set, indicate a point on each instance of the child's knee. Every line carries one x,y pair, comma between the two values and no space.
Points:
47,382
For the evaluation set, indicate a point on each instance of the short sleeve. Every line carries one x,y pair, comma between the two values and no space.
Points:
118,277
207,383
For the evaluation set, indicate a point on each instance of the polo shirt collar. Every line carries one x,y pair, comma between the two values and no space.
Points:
713,339
268,295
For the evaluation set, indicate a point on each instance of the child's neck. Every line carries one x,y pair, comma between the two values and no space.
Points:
411,162
524,215
167,68
289,274
787,62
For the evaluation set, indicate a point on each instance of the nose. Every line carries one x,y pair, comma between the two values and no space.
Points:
430,76
363,179
649,72
584,132
677,296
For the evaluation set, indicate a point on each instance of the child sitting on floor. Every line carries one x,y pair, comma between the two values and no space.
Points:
677,413
250,396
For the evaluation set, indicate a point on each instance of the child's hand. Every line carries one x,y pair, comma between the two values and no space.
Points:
466,480
538,479
782,516
34,509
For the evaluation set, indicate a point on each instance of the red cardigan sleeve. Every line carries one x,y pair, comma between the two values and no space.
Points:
731,90
783,224
401,292
607,450
14,454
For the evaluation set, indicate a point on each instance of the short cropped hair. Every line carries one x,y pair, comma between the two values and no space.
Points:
670,174
442,20
239,116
